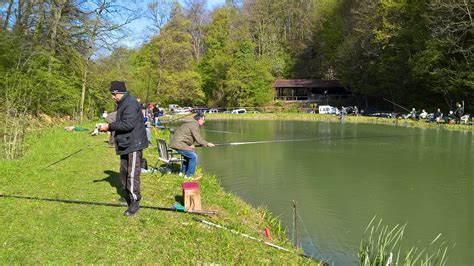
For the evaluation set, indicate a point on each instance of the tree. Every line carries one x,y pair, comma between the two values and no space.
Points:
232,71
196,13
100,31
159,12
176,78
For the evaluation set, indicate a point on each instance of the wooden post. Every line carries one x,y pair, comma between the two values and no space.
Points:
295,226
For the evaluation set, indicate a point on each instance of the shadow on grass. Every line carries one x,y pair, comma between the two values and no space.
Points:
104,204
180,199
114,180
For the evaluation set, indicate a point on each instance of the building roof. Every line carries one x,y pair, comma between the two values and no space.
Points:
306,83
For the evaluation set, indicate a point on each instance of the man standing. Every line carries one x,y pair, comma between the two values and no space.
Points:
130,140
459,112
183,141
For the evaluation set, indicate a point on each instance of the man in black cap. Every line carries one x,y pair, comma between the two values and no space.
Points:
130,140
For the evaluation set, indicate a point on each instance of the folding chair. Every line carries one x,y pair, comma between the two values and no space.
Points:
166,155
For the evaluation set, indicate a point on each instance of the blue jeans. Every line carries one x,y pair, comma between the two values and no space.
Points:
190,162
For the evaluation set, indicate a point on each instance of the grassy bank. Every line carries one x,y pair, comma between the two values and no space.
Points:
75,166
348,119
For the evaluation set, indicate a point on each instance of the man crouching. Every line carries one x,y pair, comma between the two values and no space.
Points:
130,140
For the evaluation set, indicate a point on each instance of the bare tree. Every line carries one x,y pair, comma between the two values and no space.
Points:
102,31
452,21
196,13
8,14
159,13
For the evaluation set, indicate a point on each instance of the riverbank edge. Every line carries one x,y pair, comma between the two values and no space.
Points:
261,214
232,211
345,119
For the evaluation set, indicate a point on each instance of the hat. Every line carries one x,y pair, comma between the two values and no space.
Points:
198,116
117,87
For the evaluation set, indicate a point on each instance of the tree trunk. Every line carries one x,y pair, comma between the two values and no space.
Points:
7,16
19,16
90,45
83,91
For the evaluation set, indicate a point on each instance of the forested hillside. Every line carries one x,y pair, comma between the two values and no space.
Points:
58,56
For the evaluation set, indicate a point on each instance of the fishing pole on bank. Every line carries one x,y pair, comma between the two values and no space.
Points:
396,104
69,201
67,157
248,236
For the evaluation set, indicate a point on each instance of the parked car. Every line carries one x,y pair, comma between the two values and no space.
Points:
327,109
182,111
211,111
378,113
200,110
382,114
239,111
173,107
176,109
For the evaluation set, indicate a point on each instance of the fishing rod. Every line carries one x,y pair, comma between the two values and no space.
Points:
396,104
69,201
218,131
247,236
67,157
300,140
171,130
176,119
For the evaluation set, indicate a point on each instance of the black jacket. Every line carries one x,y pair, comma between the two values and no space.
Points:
156,111
130,134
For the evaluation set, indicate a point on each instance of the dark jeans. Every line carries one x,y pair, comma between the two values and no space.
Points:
130,168
190,162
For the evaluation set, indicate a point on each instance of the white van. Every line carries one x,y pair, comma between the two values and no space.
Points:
173,107
239,111
327,109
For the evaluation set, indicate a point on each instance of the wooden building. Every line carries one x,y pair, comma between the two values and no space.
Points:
312,90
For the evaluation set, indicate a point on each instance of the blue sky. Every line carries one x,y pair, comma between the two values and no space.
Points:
138,27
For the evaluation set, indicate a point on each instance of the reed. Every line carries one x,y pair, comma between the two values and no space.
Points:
382,246
273,221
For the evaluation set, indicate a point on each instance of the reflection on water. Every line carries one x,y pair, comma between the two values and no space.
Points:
422,177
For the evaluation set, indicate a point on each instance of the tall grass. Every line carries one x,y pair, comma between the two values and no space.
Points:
382,246
15,108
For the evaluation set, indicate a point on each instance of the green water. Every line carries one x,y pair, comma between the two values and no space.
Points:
347,174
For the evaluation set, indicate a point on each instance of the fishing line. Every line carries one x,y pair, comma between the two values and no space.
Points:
307,233
300,140
396,104
217,131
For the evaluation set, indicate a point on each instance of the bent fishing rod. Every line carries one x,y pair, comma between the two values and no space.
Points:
396,104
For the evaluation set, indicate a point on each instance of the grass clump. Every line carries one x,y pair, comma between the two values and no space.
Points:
382,246
61,165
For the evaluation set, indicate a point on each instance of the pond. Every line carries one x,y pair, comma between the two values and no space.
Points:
343,174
